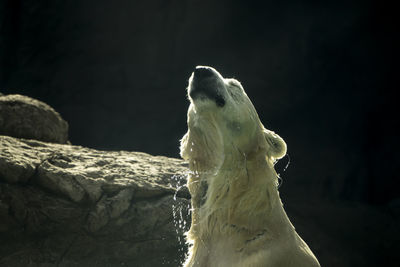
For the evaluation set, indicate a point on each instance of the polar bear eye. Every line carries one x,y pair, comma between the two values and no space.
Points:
220,101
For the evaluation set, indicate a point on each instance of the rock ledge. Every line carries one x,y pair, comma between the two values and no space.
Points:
64,205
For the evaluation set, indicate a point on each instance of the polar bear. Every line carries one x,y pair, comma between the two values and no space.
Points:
238,218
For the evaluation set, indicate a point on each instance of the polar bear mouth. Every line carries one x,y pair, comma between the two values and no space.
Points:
207,84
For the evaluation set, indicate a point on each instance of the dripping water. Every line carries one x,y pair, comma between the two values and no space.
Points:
280,180
181,214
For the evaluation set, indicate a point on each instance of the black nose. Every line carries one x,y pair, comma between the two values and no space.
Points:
203,72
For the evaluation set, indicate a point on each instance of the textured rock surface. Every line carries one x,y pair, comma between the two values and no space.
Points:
63,205
25,117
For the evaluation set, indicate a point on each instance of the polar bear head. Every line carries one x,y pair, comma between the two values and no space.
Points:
223,124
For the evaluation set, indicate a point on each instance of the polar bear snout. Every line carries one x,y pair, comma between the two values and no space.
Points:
202,72
207,84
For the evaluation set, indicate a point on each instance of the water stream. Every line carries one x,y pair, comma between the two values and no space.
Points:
181,212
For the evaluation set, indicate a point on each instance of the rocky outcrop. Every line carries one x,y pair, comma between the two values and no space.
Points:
25,117
64,205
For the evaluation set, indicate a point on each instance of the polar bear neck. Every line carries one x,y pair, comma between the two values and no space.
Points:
240,195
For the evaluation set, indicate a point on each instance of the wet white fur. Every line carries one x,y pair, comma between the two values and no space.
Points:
238,218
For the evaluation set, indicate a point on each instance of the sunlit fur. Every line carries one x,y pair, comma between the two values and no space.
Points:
237,215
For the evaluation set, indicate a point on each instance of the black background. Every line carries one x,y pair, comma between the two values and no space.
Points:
322,74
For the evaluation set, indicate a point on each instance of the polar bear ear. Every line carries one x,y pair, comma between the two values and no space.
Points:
277,147
184,146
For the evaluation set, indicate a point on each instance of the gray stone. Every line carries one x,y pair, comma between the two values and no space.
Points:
25,117
64,205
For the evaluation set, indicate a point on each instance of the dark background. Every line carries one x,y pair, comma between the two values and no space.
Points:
320,73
